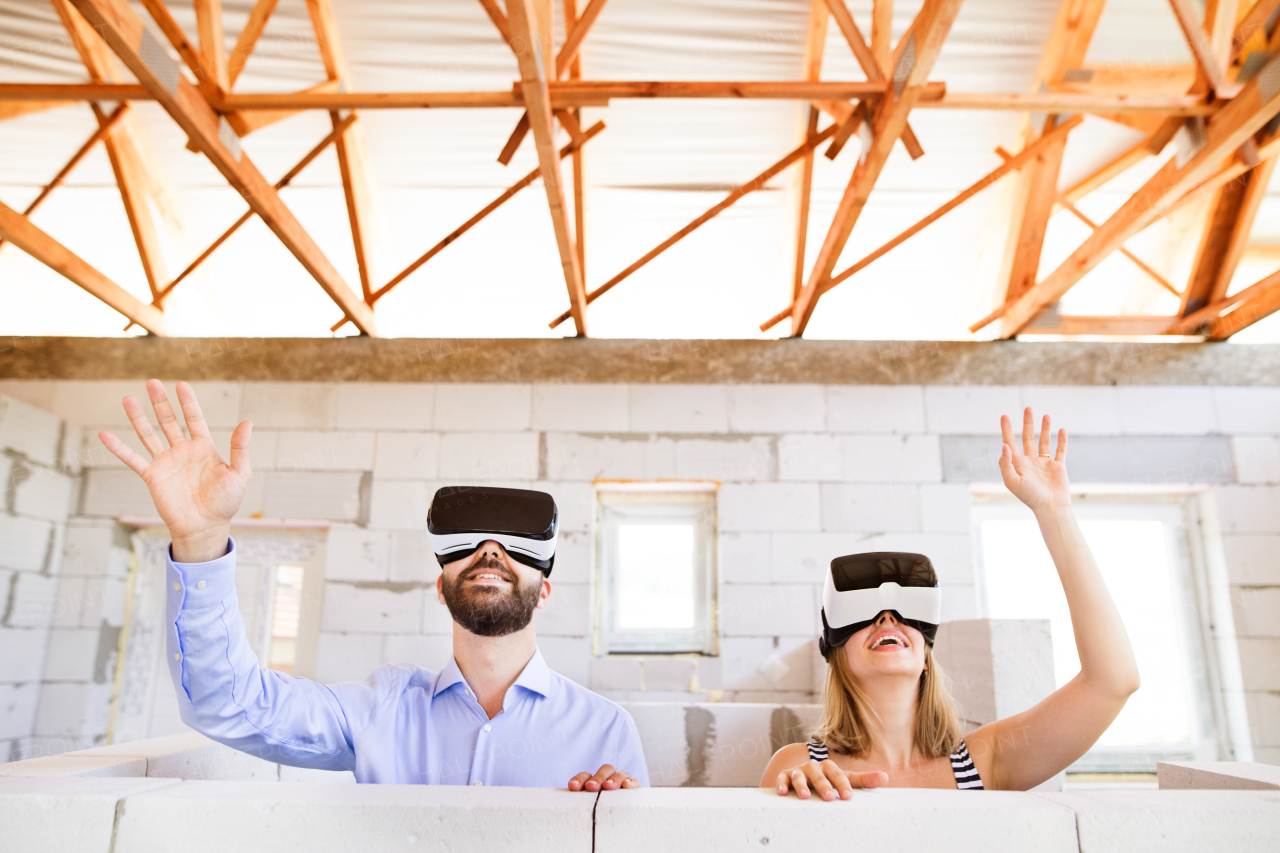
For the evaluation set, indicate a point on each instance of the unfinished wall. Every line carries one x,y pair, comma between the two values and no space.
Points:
807,470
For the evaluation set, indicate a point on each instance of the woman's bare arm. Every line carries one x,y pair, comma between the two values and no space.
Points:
1028,748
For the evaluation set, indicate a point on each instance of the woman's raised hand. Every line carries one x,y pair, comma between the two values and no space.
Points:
194,491
1037,477
828,781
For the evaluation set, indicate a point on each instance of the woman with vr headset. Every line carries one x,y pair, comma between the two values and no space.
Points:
888,719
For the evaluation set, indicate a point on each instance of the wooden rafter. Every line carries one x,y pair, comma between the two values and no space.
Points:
185,104
572,23
882,33
190,56
18,230
913,60
1037,190
1253,21
756,183
535,79
1205,48
213,46
815,44
248,38
1238,121
1224,318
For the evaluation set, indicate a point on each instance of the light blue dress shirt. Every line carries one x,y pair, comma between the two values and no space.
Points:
403,725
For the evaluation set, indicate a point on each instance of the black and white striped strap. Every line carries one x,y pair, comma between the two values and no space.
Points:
966,774
818,751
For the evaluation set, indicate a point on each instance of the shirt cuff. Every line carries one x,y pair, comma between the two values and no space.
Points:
194,585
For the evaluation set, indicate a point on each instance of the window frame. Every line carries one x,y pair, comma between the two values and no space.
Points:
656,503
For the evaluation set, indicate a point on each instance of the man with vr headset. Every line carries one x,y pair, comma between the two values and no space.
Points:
495,715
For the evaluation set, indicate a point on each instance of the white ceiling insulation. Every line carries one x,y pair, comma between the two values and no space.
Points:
658,165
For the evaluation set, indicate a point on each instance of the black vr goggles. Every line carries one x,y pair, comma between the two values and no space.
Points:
523,522
860,587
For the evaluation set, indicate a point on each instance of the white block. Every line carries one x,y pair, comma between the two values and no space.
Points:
871,508
1217,775
616,672
471,456
435,615
950,553
34,601
875,408
726,460
970,409
73,710
1256,610
570,456
400,504
1260,662
775,609
744,558
431,652
357,554
1264,717
92,402
574,557
754,507
811,458
996,667
43,493
322,777
1249,509
576,503
385,405
567,612
777,408
34,392
407,456
290,405
1167,410
23,655
69,452
253,816
30,431
1248,410
65,815
753,819
1252,560
18,706
582,407
387,608
489,406
1080,409
334,496
95,549
806,557
1257,458
114,492
411,557
1173,821
891,458
679,408
569,656
324,451
347,657
946,508
24,543
747,664
71,654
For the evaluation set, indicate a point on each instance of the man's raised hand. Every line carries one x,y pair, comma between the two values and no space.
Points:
195,492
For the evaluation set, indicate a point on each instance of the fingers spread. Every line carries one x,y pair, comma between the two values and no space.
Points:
1046,435
164,412
1006,430
1061,455
142,426
1028,431
191,411
123,452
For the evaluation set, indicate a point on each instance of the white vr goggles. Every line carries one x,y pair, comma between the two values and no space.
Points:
523,522
860,587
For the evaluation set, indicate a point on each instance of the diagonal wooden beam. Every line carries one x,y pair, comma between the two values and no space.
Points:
1227,316
213,46
871,66
248,38
18,230
758,182
1225,236
253,120
913,60
1254,20
1011,164
1203,45
814,46
537,95
190,56
1238,121
185,104
572,22
577,35
882,33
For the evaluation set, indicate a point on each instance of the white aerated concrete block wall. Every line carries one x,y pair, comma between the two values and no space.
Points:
807,472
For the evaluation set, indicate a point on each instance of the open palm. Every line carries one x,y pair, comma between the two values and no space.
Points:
1036,477
194,491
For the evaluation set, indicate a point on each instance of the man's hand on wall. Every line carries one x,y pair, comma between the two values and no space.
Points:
195,492
606,779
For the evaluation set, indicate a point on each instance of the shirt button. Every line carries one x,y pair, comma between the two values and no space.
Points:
177,655
177,587
201,585
488,727
478,784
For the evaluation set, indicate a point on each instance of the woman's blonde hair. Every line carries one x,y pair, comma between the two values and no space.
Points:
843,727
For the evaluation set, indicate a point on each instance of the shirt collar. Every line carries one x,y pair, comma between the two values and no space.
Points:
535,677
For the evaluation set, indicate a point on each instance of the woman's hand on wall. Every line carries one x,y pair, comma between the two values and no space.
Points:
1037,477
828,781
195,492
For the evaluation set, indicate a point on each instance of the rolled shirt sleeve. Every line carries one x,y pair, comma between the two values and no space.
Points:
224,694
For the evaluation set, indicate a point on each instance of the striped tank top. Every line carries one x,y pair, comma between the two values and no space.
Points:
967,778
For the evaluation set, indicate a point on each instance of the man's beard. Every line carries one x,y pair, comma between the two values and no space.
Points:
489,611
